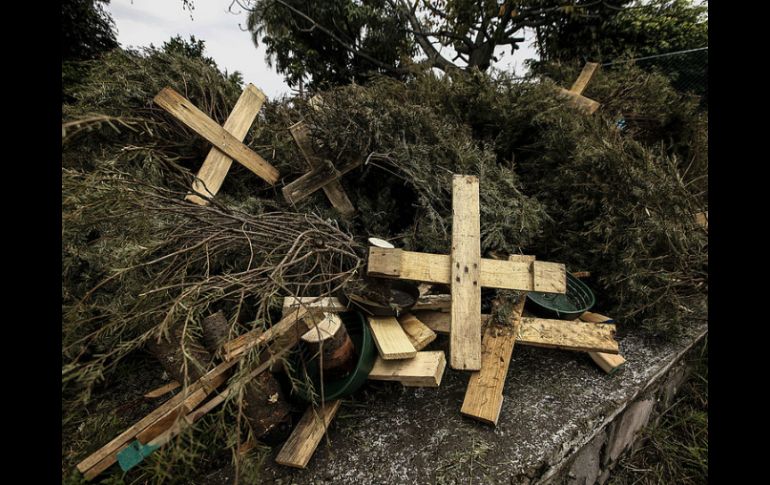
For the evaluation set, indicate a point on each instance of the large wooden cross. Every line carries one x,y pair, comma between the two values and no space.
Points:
575,93
227,139
332,188
466,273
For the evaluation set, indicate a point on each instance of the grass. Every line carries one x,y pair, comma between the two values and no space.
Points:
675,450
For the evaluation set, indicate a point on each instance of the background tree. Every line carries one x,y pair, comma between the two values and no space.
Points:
340,40
640,29
87,30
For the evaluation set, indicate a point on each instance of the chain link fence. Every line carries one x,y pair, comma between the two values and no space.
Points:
688,70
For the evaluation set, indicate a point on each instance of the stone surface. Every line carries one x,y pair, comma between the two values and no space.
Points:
555,420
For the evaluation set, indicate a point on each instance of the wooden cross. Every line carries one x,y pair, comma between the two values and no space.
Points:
332,186
227,139
466,273
575,93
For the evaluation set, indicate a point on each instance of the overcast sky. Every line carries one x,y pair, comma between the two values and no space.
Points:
144,22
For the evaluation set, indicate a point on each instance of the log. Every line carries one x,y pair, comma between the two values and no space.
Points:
331,342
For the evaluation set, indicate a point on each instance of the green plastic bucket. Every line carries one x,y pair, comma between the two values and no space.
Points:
307,381
569,306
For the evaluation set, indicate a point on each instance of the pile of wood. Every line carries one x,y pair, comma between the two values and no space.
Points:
478,345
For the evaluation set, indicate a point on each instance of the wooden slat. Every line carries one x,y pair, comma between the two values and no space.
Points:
420,335
249,340
196,120
569,335
325,304
216,165
465,329
433,302
586,104
318,177
165,389
426,369
436,268
285,334
391,340
333,190
305,437
484,394
584,78
609,363
436,320
548,277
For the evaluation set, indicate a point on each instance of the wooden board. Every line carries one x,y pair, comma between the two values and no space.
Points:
441,303
236,347
465,329
391,340
436,320
581,102
196,120
324,330
305,437
325,304
568,335
436,268
426,369
318,177
284,335
584,78
609,363
420,335
484,394
216,165
333,190
155,393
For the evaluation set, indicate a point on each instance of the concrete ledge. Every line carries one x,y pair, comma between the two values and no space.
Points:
563,421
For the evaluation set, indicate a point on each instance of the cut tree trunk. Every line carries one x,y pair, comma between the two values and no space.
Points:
331,342
169,352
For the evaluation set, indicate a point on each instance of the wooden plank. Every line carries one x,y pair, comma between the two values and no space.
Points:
581,102
426,369
318,177
441,303
702,219
465,329
484,395
548,277
568,335
436,320
333,190
391,340
165,389
609,363
325,304
216,165
436,268
584,78
165,415
249,340
196,120
305,437
420,335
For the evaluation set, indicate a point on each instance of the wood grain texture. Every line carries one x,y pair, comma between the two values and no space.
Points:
155,393
420,335
391,340
426,369
325,304
484,394
216,165
195,119
327,328
609,363
437,321
316,178
305,437
568,335
584,78
238,346
549,277
588,105
441,303
436,268
465,329
333,190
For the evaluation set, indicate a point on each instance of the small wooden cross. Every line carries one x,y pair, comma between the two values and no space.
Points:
575,93
227,139
332,188
466,273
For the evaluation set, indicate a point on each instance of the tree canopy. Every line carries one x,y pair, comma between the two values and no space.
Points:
87,30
